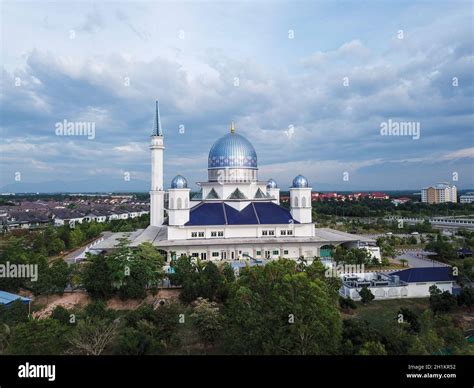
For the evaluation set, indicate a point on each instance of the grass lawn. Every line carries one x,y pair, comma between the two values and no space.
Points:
382,312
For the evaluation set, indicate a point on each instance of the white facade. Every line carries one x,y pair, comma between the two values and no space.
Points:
300,204
178,207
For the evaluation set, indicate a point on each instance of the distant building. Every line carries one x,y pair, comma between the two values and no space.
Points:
442,192
467,198
400,201
378,195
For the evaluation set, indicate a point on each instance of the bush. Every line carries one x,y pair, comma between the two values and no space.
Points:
347,303
366,295
62,315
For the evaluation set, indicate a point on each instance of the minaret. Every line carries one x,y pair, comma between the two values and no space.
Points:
157,194
300,200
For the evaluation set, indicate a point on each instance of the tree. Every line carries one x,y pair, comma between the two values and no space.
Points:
61,314
93,336
207,320
358,332
5,332
410,318
38,337
366,295
403,262
444,250
76,237
148,331
133,271
452,336
14,251
56,246
59,274
429,341
96,277
317,270
372,348
466,297
276,309
388,250
201,279
184,270
441,302
16,312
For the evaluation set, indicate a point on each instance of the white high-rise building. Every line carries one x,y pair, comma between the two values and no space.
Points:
442,192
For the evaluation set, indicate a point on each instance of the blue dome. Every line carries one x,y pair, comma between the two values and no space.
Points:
271,184
179,182
232,151
300,181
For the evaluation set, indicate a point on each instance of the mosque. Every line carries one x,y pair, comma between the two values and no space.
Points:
235,216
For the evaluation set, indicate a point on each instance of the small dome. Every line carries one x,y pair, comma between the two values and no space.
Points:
179,182
271,184
300,181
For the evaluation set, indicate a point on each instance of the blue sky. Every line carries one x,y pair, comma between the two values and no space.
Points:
349,67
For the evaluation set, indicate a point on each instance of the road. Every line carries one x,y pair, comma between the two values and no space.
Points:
69,258
415,261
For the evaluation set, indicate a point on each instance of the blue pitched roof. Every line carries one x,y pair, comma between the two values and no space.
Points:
432,274
219,213
7,297
271,213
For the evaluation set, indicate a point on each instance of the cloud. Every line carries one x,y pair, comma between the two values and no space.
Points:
463,153
208,79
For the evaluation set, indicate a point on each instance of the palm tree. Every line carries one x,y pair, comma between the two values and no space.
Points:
403,261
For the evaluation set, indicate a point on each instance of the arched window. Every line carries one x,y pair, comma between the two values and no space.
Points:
180,204
296,201
303,202
171,203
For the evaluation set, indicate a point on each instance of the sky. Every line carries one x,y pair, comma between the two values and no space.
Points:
310,84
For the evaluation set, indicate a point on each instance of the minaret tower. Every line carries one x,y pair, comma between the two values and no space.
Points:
157,194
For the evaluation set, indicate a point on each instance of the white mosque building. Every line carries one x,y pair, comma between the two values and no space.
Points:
236,216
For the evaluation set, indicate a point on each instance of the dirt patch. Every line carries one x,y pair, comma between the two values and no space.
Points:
68,301
81,299
130,304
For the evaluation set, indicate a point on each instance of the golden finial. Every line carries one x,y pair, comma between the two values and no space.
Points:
232,128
